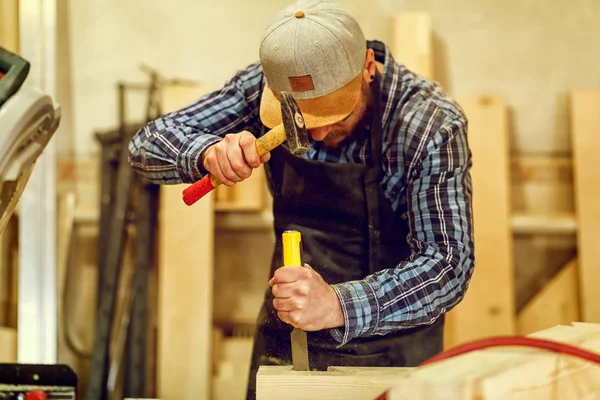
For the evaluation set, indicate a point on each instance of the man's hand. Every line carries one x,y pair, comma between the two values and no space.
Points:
233,158
304,300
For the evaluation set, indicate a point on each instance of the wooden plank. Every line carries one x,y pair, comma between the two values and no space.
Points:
242,262
488,307
555,223
9,25
8,345
542,184
231,374
511,373
186,240
185,282
412,42
585,134
248,195
349,383
556,304
8,239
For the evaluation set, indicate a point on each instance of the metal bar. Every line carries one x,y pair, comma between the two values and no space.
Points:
37,314
135,383
109,167
115,246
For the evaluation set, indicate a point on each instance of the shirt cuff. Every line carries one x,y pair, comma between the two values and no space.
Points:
361,310
188,159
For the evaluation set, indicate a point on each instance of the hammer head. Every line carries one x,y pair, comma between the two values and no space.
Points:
293,123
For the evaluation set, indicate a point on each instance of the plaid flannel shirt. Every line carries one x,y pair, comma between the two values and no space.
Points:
426,162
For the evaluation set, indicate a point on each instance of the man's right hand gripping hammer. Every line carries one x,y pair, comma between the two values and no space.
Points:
292,129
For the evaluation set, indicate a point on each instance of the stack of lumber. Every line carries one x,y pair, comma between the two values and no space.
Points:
488,374
511,373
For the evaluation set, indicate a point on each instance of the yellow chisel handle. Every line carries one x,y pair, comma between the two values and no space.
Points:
291,249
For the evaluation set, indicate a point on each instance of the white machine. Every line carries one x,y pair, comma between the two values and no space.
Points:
28,120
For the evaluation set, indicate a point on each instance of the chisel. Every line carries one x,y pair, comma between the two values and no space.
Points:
291,258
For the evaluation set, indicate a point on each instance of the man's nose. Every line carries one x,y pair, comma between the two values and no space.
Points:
319,134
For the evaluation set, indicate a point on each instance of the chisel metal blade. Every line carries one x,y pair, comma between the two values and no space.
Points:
299,350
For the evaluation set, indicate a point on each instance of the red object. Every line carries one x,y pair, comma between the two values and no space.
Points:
502,341
197,190
36,395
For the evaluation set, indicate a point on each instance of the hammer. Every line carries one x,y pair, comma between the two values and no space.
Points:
292,128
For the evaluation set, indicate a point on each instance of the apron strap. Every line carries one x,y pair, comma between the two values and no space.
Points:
372,178
376,133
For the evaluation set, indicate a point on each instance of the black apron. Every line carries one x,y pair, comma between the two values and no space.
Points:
349,231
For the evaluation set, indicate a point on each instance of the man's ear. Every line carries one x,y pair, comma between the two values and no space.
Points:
370,66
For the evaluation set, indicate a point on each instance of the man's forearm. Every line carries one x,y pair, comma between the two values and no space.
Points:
412,294
167,150
165,153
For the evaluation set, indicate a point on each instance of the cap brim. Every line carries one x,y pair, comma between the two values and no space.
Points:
317,112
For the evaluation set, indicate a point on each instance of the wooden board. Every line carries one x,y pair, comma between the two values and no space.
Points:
185,295
248,195
242,263
231,375
585,134
542,184
348,383
488,307
511,373
8,271
8,345
9,25
412,42
545,224
556,304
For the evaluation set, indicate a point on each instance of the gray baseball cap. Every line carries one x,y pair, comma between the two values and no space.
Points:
314,50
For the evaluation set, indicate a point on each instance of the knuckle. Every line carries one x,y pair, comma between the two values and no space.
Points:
238,166
246,139
230,176
304,290
221,146
295,317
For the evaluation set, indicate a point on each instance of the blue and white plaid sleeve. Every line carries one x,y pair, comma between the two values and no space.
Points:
437,162
167,150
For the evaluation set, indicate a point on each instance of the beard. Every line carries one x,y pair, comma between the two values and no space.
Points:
336,137
355,129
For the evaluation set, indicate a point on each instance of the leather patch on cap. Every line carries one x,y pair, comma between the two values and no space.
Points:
301,83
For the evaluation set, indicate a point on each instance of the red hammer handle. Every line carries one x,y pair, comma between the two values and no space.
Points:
199,189
264,144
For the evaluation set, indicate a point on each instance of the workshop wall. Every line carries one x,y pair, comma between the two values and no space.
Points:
530,51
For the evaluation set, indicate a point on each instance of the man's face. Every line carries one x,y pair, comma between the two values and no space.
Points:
332,135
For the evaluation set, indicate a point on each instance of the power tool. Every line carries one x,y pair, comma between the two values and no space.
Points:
28,120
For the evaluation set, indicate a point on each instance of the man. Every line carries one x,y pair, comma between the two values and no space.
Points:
382,198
